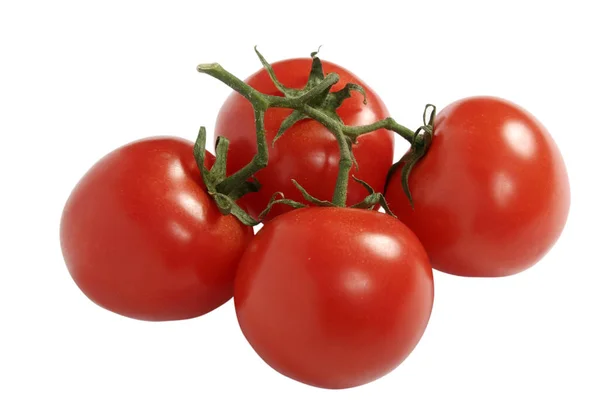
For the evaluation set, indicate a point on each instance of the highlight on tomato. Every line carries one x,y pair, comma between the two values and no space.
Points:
491,195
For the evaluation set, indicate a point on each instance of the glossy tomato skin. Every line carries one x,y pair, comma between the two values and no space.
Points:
307,152
142,238
334,297
492,194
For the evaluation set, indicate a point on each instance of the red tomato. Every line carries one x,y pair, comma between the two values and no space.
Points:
307,152
334,297
491,196
141,237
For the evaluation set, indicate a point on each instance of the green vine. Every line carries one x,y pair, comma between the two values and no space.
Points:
315,101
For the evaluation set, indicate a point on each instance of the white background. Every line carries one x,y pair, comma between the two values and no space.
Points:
78,79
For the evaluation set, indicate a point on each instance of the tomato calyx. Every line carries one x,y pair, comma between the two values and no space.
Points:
372,199
418,148
215,179
279,198
216,175
327,102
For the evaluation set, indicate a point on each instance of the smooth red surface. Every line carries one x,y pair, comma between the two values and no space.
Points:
334,297
307,152
141,237
491,196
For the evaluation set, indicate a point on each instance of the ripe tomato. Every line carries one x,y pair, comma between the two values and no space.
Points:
334,297
491,196
141,237
307,152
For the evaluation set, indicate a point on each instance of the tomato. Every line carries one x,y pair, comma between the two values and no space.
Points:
334,297
141,237
491,196
307,152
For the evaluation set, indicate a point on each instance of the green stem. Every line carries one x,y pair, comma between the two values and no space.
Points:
261,100
388,123
312,102
258,162
341,184
215,70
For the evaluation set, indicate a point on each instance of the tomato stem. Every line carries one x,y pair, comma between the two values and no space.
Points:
388,123
317,102
260,102
341,185
217,71
259,161
226,201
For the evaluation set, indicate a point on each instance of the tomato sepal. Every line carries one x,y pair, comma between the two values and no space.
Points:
310,198
279,198
372,199
418,148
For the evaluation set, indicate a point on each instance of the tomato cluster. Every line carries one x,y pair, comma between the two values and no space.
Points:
328,294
